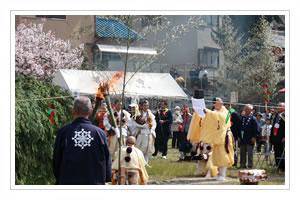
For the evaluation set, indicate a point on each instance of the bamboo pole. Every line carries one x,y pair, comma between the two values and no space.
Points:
266,108
123,100
114,124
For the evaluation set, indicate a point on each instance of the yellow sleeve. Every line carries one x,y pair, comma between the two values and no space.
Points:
194,132
214,128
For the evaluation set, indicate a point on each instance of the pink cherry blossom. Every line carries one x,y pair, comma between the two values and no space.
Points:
40,54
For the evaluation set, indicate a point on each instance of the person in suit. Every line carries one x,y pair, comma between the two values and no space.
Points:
278,135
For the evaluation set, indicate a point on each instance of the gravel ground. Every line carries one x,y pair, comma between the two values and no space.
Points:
194,181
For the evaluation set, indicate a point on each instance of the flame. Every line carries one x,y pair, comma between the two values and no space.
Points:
115,78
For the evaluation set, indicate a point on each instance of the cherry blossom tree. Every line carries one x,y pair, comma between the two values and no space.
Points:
40,54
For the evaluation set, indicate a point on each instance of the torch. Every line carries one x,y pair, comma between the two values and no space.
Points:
99,97
104,91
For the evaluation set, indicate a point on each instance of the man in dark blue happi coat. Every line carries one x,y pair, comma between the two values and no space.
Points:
81,154
247,136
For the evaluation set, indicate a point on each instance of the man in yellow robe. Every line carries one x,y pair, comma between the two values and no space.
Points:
132,164
195,128
216,132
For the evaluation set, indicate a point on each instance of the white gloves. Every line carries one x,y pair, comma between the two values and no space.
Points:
117,131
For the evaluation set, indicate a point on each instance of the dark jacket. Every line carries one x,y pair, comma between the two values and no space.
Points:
281,130
164,128
186,125
236,125
81,155
250,128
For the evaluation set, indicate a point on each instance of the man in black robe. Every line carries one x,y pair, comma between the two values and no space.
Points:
277,137
81,154
164,120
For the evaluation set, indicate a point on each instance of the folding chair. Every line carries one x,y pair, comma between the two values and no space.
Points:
268,158
259,162
264,158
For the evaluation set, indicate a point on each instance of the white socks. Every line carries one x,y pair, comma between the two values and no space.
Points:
208,174
222,174
146,158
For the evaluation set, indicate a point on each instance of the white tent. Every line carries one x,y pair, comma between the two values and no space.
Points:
145,85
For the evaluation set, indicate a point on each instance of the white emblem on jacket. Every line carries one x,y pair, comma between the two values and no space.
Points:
82,138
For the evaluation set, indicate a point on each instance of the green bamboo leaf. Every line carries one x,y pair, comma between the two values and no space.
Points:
34,133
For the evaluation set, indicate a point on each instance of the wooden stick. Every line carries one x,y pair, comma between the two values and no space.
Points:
266,107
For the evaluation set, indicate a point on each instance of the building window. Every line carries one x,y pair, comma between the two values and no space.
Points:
52,16
212,19
209,57
111,56
101,60
96,57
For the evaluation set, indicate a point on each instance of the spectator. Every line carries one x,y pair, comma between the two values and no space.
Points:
175,128
180,81
202,77
267,115
174,72
265,133
198,71
81,154
242,113
273,117
249,131
194,77
235,129
187,117
184,149
204,82
163,120
253,111
260,123
278,135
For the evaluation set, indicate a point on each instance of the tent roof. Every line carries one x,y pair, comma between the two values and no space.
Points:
147,85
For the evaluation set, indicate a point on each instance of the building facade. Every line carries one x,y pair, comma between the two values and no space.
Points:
105,43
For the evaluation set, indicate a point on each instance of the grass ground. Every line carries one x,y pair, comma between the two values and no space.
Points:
170,168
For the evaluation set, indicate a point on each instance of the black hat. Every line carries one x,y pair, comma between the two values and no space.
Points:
214,100
199,94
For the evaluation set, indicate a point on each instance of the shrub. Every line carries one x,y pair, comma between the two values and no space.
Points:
34,132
